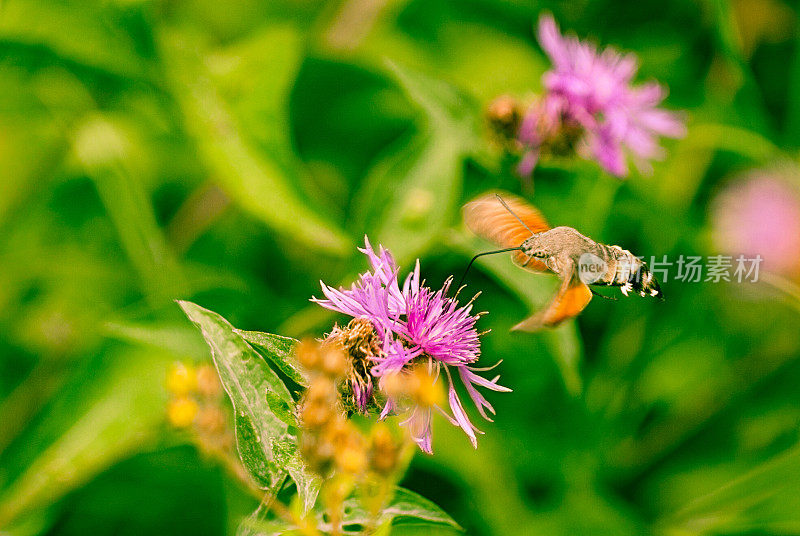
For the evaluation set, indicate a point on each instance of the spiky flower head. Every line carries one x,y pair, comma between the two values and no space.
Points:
416,325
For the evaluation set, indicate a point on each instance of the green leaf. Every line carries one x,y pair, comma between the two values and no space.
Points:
105,150
764,498
53,25
247,378
259,181
424,200
256,526
384,529
405,506
408,504
444,106
423,529
279,350
112,412
308,484
282,409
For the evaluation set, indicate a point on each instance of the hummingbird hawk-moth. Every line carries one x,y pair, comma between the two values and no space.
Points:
579,261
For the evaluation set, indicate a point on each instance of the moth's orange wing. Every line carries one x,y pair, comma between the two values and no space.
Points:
571,299
488,218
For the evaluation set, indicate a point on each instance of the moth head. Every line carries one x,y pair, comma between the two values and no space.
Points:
532,247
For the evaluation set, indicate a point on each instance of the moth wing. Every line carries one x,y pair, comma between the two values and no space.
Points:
572,297
488,218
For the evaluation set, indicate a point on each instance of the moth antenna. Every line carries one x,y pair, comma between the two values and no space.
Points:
518,248
512,213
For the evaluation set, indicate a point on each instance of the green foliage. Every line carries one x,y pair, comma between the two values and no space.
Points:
405,510
235,153
279,350
112,411
261,435
266,428
427,171
262,183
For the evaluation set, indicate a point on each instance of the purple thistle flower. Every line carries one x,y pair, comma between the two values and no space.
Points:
416,325
541,125
593,89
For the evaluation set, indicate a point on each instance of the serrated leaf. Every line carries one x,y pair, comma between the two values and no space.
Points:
265,472
279,350
247,378
262,438
308,484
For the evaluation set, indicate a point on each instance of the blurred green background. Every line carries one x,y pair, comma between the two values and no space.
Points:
235,153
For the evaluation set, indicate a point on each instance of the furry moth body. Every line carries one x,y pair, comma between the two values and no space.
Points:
578,260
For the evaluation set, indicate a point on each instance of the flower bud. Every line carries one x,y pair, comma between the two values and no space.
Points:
208,383
211,421
181,379
181,412
334,363
319,404
315,415
394,384
351,459
417,384
383,450
424,390
504,116
349,450
308,354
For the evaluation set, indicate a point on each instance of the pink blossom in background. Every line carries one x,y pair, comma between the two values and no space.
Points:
759,214
594,89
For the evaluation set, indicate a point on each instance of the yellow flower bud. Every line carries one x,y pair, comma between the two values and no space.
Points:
315,414
383,450
395,384
351,459
208,383
425,391
181,412
334,363
181,379
417,384
308,354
